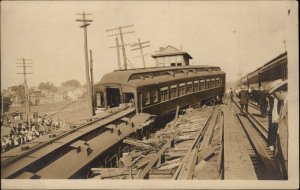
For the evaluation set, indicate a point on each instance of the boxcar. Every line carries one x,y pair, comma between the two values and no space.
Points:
159,90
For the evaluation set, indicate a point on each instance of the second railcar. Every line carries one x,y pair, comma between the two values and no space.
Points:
159,90
272,70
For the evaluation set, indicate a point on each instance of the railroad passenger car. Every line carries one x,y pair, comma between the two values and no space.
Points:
159,90
272,70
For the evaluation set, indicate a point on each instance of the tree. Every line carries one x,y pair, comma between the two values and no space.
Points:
73,83
6,103
47,86
20,93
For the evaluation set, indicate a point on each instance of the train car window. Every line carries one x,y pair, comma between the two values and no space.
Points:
207,85
163,94
173,91
189,87
217,82
155,96
221,82
212,83
147,98
202,85
181,89
196,86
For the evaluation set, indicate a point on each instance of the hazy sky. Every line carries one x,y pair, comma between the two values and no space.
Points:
237,36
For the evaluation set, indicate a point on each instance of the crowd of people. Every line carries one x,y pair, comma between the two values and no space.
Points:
272,101
21,132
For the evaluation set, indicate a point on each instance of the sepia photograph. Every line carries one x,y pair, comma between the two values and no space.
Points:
149,94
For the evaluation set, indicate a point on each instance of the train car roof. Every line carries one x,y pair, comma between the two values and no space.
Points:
270,64
154,75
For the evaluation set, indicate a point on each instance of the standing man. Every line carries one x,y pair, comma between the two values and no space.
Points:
244,99
231,95
279,90
262,102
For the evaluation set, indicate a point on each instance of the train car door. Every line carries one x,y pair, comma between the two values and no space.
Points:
113,97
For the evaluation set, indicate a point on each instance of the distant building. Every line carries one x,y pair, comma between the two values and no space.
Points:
16,94
35,95
170,56
76,94
63,94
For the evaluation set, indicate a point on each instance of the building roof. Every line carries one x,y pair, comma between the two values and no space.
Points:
138,77
170,50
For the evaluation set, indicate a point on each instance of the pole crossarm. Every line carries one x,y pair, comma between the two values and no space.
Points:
120,27
118,34
119,46
141,47
136,44
122,45
85,22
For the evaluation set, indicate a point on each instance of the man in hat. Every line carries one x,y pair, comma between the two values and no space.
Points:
231,94
263,103
279,91
244,99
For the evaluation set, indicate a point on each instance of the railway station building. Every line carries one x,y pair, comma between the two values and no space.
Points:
170,56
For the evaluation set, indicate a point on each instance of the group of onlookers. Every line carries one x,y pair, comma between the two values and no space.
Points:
272,101
20,131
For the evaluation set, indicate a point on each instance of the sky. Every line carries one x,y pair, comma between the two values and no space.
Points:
237,36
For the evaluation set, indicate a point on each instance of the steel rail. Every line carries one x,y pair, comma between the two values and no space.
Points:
261,129
253,131
261,151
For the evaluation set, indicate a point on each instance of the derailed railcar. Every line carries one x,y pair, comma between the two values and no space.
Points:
159,90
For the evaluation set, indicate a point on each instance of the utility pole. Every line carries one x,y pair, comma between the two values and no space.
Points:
140,47
85,23
25,64
92,81
121,33
118,53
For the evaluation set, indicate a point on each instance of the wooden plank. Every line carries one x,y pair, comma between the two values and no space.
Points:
237,162
137,143
144,172
206,152
185,171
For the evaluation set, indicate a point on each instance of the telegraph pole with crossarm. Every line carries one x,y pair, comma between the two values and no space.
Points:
121,33
118,52
85,23
24,65
141,45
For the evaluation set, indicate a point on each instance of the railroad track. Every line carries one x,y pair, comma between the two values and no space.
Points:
179,151
23,162
263,159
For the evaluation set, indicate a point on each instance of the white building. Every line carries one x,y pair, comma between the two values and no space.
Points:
170,56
